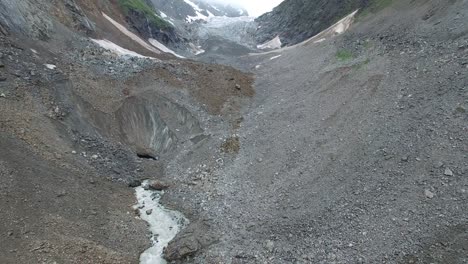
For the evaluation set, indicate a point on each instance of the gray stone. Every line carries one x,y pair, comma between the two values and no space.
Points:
134,183
448,172
269,245
158,185
429,194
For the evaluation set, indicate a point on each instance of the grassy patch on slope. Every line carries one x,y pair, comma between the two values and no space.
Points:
344,55
141,7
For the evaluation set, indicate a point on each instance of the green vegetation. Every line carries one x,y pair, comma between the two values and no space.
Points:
373,7
141,7
344,55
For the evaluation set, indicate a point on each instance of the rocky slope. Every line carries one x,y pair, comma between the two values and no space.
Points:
193,10
346,149
296,20
353,151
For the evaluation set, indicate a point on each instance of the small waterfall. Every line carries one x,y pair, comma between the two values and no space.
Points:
164,224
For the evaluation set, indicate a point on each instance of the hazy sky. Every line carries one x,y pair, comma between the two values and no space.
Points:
255,7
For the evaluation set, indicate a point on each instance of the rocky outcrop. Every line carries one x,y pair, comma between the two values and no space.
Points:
181,10
191,240
296,20
26,17
142,18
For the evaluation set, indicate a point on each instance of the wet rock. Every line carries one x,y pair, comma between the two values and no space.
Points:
134,183
158,185
185,247
194,238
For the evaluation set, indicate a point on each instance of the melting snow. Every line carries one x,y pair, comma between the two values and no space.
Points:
198,11
111,46
196,7
163,48
164,224
196,49
130,34
199,16
272,44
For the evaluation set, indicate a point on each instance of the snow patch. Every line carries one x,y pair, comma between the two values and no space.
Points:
164,224
162,14
34,51
195,6
111,46
50,66
197,50
130,34
275,57
199,16
163,48
272,44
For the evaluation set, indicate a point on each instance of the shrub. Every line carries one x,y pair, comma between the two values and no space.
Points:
344,55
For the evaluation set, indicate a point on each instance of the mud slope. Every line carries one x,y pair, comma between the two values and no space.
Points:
355,150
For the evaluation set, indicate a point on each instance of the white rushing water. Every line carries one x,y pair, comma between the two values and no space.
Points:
164,224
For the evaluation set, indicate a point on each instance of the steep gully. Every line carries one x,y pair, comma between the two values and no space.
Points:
138,117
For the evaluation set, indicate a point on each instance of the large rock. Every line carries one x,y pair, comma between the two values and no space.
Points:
192,239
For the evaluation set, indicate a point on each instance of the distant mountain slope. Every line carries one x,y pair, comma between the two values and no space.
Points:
296,20
193,10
